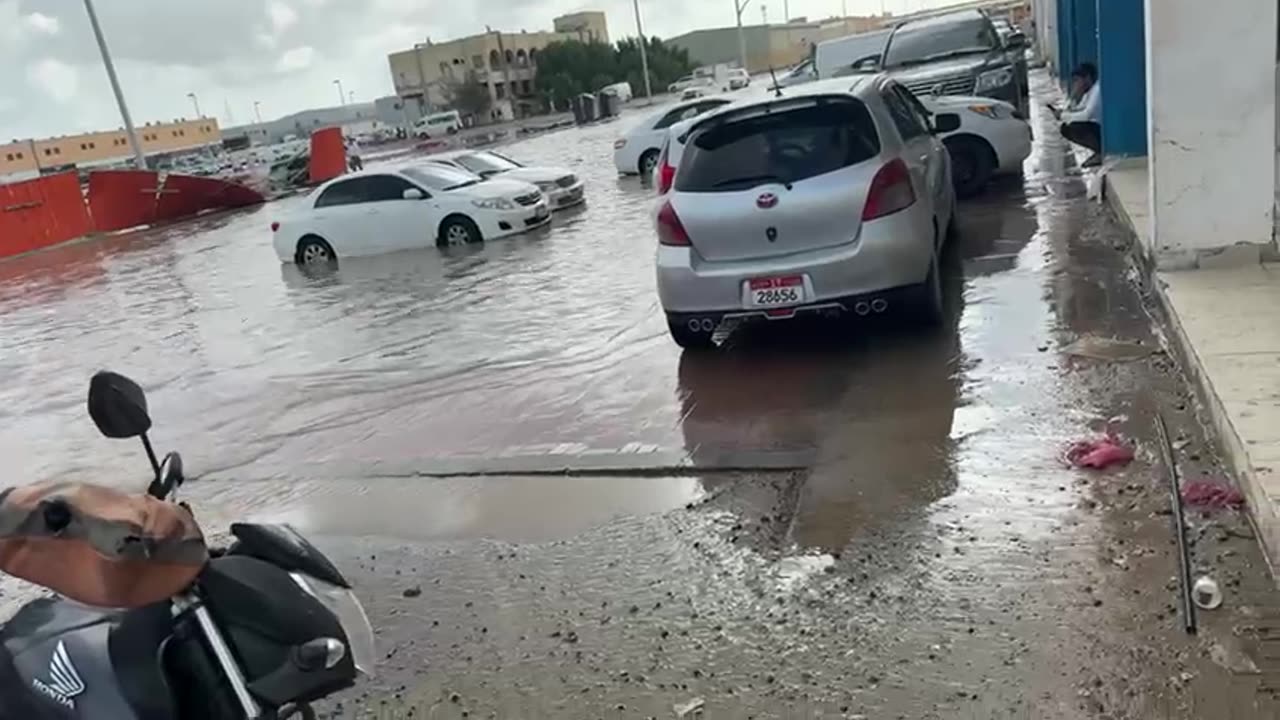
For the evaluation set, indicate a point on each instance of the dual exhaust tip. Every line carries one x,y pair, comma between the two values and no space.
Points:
876,306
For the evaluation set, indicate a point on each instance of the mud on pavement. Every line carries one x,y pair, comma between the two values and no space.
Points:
935,559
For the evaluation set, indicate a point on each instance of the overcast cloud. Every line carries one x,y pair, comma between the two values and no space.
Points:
283,53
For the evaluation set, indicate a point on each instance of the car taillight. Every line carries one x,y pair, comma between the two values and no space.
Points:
619,143
890,191
670,230
275,226
666,174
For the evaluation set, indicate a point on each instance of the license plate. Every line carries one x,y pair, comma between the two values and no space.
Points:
776,291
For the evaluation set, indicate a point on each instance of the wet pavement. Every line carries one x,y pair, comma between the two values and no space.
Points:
551,511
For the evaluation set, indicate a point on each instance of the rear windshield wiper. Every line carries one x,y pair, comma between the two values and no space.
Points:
757,179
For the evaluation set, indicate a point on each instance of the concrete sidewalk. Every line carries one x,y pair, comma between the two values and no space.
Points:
1225,318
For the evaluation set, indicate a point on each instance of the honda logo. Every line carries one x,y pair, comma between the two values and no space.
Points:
766,201
64,680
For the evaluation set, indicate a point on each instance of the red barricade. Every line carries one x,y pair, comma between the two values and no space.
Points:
328,155
185,195
42,212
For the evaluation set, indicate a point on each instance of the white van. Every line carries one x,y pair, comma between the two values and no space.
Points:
833,58
437,124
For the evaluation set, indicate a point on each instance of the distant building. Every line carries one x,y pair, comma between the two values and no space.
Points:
505,63
22,159
778,46
588,26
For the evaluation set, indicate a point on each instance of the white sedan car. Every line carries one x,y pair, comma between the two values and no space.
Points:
993,139
368,213
561,186
637,151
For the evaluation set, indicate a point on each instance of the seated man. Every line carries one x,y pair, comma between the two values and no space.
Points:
1081,122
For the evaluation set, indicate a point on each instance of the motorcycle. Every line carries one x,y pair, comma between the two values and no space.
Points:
268,627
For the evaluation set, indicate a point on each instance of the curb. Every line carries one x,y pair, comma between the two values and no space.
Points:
1263,512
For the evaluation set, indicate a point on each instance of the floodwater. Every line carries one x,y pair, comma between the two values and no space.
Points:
838,519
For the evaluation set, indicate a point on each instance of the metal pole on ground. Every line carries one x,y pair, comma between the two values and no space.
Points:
196,102
257,112
644,54
738,7
342,97
134,145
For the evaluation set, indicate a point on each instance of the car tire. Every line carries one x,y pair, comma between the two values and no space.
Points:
458,230
927,303
972,164
689,339
648,161
314,250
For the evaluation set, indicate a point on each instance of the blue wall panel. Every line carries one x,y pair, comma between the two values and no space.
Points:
1122,63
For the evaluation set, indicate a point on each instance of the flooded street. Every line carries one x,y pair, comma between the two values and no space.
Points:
550,511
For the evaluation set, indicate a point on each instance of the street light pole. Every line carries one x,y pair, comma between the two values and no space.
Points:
257,112
644,54
351,95
423,105
195,101
342,97
738,7
138,156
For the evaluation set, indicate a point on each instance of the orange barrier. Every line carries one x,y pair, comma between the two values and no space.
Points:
185,195
41,212
328,155
120,199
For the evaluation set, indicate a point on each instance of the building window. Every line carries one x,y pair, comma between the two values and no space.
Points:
500,90
47,152
83,146
9,157
522,59
477,61
92,146
533,57
19,156
510,57
57,151
494,59
526,87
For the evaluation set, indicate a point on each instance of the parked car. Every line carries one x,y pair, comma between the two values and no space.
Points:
993,139
368,213
800,74
688,81
561,186
738,79
836,197
637,151
835,57
437,125
959,53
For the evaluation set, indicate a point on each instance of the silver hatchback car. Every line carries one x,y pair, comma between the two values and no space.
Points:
834,197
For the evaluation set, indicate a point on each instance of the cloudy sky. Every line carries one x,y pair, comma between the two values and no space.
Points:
282,53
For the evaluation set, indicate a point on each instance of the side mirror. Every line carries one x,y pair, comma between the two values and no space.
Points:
118,406
870,62
412,194
945,123
1016,41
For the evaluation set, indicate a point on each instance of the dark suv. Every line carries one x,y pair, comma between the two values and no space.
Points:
958,53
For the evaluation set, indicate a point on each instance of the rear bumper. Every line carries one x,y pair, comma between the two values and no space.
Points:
889,253
862,304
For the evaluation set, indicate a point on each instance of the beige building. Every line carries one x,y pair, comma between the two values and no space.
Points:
506,63
29,157
778,46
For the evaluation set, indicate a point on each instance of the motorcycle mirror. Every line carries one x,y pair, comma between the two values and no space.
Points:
118,406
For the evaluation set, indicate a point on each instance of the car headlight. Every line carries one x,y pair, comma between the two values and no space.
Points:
494,204
993,79
995,112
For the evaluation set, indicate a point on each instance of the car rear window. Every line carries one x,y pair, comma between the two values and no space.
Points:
786,147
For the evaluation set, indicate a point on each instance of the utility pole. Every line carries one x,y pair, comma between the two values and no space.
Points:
138,156
342,97
764,13
644,54
195,101
738,7
257,112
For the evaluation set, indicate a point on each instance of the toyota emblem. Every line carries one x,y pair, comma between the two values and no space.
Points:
766,201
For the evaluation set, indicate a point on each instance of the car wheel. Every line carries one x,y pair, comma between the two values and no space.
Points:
972,163
927,302
689,339
314,250
648,161
458,230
